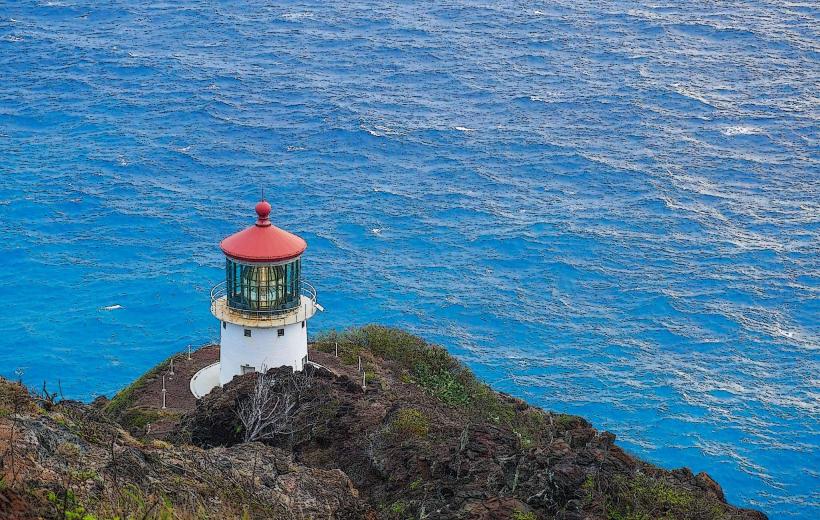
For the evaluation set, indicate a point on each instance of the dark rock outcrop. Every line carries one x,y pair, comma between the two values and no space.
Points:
69,461
426,438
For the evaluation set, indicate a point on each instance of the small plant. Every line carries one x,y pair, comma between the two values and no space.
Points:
410,423
84,475
67,506
349,357
68,450
565,421
398,508
443,384
642,498
521,515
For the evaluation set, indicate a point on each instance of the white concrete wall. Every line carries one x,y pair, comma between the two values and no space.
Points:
265,348
205,380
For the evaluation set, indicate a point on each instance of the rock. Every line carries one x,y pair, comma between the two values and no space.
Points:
704,481
52,456
425,439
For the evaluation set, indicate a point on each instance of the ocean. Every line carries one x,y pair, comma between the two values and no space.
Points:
609,209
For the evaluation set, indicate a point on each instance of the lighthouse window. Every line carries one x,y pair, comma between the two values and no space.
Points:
261,287
281,332
303,324
224,325
247,333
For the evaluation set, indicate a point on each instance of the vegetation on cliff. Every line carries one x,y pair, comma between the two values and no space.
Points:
422,438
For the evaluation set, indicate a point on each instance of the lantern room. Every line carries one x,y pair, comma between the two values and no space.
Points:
263,267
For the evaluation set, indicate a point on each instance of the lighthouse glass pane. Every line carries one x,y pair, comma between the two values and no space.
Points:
263,287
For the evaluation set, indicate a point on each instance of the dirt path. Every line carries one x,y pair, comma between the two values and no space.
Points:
178,397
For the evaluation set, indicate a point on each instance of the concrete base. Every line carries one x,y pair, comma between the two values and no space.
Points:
205,380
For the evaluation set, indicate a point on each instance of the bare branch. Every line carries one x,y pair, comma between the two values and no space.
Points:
271,409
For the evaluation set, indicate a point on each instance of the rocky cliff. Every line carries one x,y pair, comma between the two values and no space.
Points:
413,435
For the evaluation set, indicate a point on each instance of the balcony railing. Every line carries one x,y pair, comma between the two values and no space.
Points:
306,291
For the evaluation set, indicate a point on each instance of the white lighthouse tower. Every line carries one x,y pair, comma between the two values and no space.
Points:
263,305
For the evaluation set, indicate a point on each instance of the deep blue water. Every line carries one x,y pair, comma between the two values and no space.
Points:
608,208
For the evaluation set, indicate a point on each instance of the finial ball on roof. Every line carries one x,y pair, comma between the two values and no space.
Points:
263,242
263,209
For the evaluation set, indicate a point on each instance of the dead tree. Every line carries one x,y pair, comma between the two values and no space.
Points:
271,409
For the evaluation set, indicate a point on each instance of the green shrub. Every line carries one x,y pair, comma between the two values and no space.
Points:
434,370
137,418
442,384
642,497
67,506
410,423
566,421
398,508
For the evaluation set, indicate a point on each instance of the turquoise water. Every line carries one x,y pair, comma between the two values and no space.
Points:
610,209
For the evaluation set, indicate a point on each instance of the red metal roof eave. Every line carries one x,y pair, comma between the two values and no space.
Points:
266,259
263,242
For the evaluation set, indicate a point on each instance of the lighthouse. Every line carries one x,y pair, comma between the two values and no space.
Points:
263,304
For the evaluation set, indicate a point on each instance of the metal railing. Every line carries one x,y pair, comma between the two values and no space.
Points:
220,291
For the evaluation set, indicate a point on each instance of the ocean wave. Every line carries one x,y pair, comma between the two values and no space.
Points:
741,130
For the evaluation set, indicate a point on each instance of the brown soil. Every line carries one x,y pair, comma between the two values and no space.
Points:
178,397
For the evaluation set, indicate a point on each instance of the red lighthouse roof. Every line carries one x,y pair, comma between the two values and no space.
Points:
263,242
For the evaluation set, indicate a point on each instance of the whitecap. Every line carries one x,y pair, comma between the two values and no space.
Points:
112,307
297,16
691,94
548,97
740,130
465,129
378,130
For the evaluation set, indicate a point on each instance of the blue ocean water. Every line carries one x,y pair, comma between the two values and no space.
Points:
608,208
